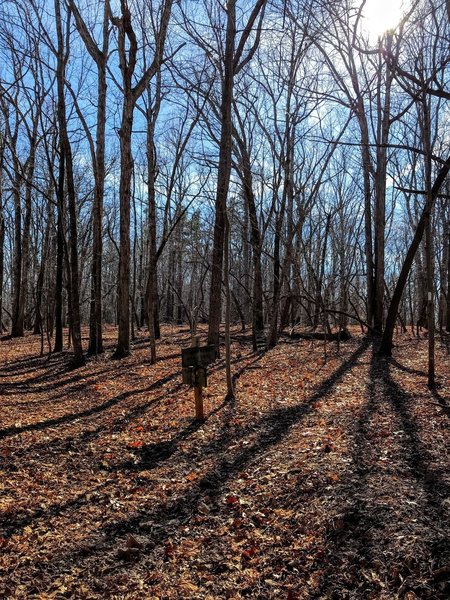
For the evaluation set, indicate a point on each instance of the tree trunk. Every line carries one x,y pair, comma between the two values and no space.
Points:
223,180
2,259
98,159
95,318
58,346
230,388
368,237
383,122
152,281
286,199
2,238
430,305
27,221
443,298
448,284
66,153
38,321
126,168
179,271
426,136
17,316
255,240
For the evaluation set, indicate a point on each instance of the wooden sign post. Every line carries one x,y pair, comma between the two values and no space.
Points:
194,361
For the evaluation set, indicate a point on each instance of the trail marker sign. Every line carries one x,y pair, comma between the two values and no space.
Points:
198,356
194,361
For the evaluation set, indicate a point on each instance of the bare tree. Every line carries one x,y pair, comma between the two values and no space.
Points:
99,55
131,93
66,184
234,59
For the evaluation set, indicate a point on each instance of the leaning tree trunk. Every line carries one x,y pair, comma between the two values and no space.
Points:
386,342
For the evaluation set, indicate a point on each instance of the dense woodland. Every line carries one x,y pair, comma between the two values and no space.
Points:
267,178
142,141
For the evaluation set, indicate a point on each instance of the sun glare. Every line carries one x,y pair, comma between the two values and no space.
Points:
381,15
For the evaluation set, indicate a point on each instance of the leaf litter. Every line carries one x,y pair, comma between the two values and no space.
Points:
322,479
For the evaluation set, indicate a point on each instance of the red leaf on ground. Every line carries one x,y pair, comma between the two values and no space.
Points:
135,444
231,500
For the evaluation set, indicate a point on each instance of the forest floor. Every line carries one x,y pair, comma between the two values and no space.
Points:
325,478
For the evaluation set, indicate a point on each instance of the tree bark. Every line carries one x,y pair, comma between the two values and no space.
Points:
2,236
17,316
383,122
151,296
126,168
426,136
230,387
58,346
66,153
448,284
223,179
255,240
101,58
2,257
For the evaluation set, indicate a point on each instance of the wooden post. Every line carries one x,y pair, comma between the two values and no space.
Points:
198,390
194,361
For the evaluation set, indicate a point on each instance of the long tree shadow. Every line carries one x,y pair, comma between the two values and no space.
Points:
351,532
61,445
151,455
417,454
267,432
444,401
405,369
64,419
433,481
365,530
148,457
52,376
11,525
53,382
